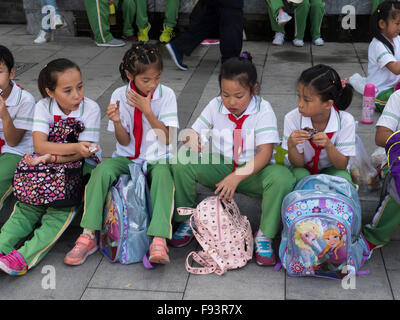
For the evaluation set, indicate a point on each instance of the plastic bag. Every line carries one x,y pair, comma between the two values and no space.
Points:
362,171
358,82
378,158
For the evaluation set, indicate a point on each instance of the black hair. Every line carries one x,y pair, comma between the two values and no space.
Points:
48,75
7,58
241,69
386,10
139,58
326,83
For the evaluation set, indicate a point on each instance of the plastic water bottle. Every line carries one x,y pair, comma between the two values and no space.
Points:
368,105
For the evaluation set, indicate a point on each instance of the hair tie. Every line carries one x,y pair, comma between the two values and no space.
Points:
344,82
244,55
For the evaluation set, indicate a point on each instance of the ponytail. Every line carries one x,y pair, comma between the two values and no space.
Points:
327,84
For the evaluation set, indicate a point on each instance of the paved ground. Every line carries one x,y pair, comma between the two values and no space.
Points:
98,279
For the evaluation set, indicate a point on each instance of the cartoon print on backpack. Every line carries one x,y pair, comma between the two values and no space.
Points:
335,250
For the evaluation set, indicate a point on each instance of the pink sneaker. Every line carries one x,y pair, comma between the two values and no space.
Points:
210,42
84,247
14,264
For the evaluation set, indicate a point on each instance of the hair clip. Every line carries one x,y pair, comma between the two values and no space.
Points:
244,55
379,10
344,81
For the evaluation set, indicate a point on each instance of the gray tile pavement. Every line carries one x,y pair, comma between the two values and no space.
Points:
278,69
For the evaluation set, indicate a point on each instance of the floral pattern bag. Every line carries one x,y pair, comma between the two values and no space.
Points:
52,184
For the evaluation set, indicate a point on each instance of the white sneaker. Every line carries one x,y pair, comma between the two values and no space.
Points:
283,18
298,43
43,37
279,39
58,22
319,42
112,43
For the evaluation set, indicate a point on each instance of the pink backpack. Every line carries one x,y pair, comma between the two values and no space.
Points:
224,234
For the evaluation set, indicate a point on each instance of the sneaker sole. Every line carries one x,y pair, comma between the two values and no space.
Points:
282,23
172,53
78,263
10,271
159,260
110,45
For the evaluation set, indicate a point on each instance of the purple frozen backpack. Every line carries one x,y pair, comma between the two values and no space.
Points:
392,149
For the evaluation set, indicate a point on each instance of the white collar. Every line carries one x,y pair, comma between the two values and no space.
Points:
55,110
334,123
15,96
252,108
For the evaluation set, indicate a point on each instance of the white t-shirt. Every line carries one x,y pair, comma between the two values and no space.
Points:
378,57
344,138
20,105
88,112
164,107
259,128
390,117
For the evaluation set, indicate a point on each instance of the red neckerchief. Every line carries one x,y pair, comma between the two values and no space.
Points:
137,125
237,139
317,149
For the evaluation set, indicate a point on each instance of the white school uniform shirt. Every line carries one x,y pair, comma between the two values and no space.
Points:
164,107
342,123
379,56
88,112
259,128
20,105
390,117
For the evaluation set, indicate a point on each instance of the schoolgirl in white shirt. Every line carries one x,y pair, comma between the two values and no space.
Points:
16,118
319,135
384,52
243,129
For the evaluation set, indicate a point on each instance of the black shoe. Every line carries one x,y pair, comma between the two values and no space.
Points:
176,56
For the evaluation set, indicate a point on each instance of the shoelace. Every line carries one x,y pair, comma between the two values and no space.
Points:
170,31
263,246
184,230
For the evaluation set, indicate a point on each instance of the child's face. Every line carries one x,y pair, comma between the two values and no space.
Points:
332,240
147,81
309,103
235,97
391,28
5,76
69,91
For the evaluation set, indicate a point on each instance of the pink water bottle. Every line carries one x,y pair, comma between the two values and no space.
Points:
368,105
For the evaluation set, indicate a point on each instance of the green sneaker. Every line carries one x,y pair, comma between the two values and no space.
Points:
167,34
143,34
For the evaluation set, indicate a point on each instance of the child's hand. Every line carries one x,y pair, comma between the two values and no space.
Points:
34,161
298,137
321,139
113,112
84,149
138,101
3,108
227,187
193,141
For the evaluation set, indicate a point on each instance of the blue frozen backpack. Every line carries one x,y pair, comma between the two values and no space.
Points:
322,229
127,213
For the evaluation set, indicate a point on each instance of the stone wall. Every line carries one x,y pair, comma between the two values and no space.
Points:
74,12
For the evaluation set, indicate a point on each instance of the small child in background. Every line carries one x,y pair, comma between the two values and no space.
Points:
387,218
243,129
16,118
319,135
143,115
384,51
60,84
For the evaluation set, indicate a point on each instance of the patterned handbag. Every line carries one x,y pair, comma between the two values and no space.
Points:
224,234
52,184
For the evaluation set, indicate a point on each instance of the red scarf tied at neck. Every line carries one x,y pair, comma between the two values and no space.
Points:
237,139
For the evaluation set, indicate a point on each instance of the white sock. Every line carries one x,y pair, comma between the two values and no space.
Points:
90,233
